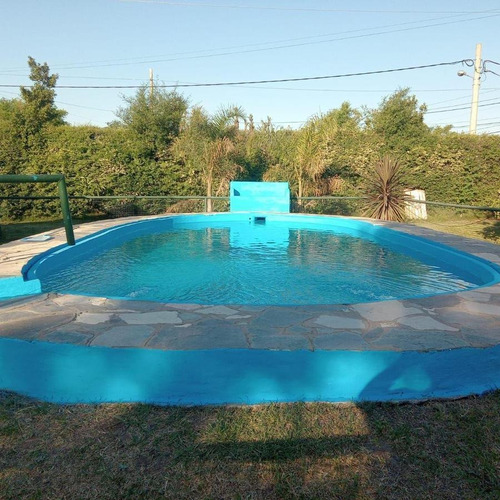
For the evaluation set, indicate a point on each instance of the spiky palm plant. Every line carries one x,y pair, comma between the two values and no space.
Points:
384,190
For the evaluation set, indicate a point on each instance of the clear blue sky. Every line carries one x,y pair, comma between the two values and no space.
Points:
114,42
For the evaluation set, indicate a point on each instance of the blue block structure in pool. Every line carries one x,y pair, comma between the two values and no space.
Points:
259,196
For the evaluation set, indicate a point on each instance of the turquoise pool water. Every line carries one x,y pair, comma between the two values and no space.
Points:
256,260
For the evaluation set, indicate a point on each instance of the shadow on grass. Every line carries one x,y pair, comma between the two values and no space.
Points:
277,451
492,232
334,467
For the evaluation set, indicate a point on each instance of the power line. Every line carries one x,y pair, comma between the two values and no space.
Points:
147,59
486,70
296,121
292,45
255,82
458,104
448,100
480,125
65,103
152,59
459,109
253,7
84,107
458,98
361,91
79,77
229,51
295,89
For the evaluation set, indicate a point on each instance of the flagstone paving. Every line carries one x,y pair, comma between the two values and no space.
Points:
465,319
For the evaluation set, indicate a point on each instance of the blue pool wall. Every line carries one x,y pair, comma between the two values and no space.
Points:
470,268
18,287
64,373
259,196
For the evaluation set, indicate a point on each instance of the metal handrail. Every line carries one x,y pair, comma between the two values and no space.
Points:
63,196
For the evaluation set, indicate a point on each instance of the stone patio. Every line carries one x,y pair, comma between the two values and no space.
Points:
465,319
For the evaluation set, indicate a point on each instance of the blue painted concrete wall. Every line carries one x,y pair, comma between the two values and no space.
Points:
16,287
80,374
259,196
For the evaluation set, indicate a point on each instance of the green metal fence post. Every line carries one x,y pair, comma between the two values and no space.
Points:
68,224
63,195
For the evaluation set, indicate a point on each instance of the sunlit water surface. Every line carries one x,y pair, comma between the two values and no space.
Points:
253,264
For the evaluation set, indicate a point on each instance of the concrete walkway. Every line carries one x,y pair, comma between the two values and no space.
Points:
465,319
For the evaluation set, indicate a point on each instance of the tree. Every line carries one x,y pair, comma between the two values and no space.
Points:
24,123
279,146
255,150
39,108
398,121
348,151
309,162
10,141
297,156
155,116
314,144
206,145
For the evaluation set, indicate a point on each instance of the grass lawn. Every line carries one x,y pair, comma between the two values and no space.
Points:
483,229
434,450
10,231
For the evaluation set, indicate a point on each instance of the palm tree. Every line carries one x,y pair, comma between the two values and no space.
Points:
207,143
309,155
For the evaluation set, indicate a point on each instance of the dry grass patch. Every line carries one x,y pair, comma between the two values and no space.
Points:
278,451
468,225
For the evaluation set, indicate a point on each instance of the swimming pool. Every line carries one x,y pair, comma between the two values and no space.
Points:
257,259
75,348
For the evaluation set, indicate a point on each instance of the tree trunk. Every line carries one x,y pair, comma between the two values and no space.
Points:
209,192
299,194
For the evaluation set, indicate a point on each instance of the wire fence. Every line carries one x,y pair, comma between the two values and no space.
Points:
147,205
464,220
125,206
85,207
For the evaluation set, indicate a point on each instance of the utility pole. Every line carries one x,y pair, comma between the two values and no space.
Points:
151,82
475,90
